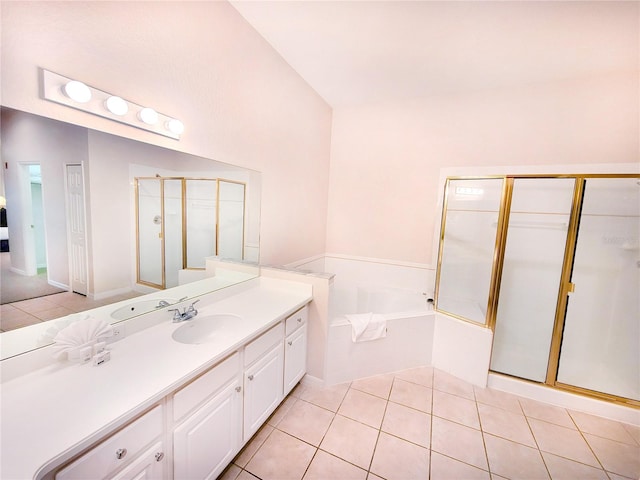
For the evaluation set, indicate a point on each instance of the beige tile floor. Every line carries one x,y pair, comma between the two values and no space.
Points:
36,310
425,424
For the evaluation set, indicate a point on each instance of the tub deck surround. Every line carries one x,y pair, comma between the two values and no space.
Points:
53,413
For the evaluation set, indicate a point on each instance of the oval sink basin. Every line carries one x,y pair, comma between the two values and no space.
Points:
204,329
138,308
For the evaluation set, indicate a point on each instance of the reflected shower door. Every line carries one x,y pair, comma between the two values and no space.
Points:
200,198
149,219
531,274
467,247
172,218
601,340
231,220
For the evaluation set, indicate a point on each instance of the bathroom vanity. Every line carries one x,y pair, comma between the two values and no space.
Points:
176,400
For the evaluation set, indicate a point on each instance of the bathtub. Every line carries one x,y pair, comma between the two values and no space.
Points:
409,339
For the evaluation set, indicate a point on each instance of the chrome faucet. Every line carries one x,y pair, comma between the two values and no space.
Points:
187,314
164,303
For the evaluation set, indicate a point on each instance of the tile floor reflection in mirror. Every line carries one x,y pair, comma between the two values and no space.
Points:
36,310
425,424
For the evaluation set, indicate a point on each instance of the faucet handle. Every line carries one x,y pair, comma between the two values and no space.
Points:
191,307
177,316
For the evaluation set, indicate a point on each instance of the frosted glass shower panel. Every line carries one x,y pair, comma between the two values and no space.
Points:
201,213
467,247
172,230
150,231
231,220
532,268
601,337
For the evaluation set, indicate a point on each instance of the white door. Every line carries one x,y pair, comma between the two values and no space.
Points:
76,229
262,389
205,443
295,358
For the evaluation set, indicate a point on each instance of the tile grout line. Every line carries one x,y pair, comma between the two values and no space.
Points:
375,447
484,443
335,414
535,440
588,444
433,384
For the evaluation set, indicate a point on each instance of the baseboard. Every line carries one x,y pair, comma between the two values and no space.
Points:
312,381
63,286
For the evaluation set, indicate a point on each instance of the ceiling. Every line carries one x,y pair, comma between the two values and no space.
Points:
356,52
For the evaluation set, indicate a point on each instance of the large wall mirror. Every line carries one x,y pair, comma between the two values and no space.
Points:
87,183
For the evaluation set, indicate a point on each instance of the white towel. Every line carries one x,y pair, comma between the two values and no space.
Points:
367,326
79,334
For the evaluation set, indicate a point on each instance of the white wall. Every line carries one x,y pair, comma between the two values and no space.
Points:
386,158
200,62
28,138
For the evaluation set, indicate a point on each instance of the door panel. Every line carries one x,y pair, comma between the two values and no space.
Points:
77,229
532,269
601,337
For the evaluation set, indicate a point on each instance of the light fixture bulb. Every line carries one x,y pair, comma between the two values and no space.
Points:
148,116
175,126
77,91
117,105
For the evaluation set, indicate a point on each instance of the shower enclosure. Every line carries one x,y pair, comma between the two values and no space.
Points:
552,265
181,221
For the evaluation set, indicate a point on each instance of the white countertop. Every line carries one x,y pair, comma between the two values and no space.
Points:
51,414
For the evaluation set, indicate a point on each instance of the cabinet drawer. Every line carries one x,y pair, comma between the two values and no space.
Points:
293,322
263,343
117,450
204,386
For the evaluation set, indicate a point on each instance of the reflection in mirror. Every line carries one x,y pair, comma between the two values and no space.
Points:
149,246
200,207
182,221
109,165
231,219
467,244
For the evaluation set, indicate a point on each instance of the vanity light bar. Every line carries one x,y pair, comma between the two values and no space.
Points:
75,94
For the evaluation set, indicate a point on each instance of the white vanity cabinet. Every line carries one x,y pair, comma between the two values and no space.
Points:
210,435
123,449
195,431
263,378
295,349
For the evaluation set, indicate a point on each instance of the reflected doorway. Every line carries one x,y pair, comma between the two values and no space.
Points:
37,220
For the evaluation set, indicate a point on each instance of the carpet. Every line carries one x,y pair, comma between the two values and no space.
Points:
15,287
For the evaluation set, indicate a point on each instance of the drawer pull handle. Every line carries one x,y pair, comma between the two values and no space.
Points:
159,456
120,453
238,389
299,320
290,342
250,377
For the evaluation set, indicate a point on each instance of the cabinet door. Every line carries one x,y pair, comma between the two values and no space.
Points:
295,358
208,440
262,389
148,466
